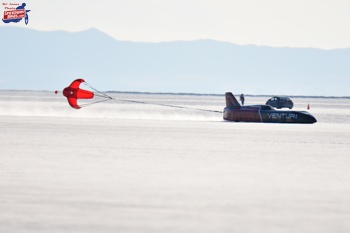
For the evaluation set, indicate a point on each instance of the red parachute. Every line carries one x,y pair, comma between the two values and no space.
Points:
73,93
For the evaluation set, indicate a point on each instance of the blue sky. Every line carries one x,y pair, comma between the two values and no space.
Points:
280,23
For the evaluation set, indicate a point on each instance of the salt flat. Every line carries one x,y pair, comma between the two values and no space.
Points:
120,167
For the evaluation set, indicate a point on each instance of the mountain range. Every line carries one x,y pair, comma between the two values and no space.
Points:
50,60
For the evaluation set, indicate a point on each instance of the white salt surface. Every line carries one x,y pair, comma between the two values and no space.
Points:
121,167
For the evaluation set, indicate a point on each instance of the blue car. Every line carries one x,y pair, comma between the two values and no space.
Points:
280,102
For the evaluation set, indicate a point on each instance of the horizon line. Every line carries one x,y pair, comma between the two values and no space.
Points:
190,93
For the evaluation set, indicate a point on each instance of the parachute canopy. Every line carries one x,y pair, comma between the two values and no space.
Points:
73,93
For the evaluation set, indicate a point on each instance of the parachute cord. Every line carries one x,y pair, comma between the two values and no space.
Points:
103,94
168,105
142,102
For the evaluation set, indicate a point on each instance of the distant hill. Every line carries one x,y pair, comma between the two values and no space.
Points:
37,60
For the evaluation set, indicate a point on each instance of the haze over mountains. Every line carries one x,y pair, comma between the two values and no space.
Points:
37,60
